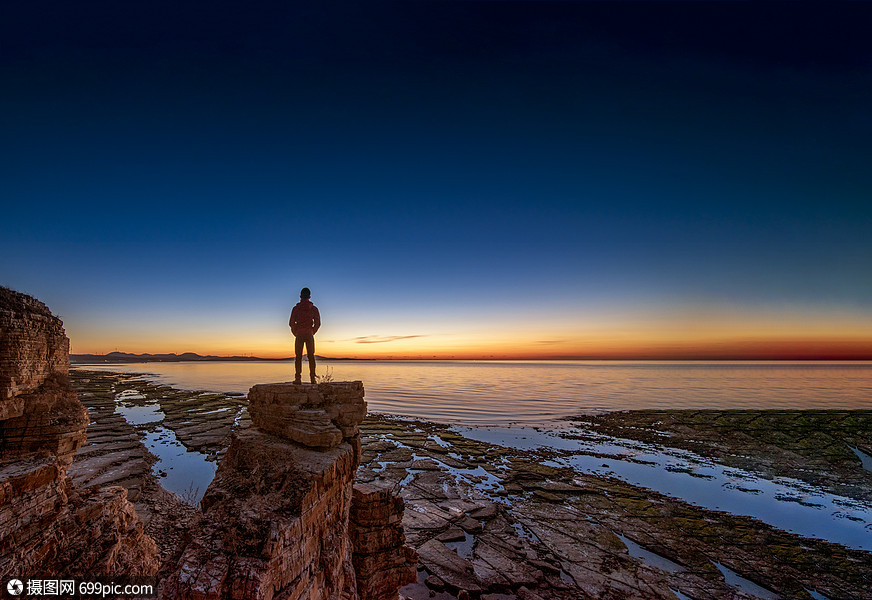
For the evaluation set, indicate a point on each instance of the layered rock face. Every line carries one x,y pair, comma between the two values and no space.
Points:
47,526
39,412
382,562
276,517
33,347
316,416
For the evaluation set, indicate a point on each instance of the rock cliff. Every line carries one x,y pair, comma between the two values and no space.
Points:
282,518
278,515
46,525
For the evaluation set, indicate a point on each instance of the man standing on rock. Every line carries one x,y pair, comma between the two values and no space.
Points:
305,321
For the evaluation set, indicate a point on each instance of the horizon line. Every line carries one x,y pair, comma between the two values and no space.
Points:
796,356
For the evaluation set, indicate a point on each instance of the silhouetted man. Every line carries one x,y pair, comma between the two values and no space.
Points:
305,321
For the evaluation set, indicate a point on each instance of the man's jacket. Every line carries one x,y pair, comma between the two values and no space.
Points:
305,318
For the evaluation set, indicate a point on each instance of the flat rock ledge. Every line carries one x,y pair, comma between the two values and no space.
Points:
318,416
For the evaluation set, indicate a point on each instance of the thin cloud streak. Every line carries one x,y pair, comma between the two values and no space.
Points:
381,339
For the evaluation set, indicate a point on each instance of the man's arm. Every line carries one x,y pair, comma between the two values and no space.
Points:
317,321
292,321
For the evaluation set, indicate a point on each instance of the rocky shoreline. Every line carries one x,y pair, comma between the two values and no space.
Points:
820,447
497,523
115,455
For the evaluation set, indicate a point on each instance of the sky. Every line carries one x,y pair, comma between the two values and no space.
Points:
451,179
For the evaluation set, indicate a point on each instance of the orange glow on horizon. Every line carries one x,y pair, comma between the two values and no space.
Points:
676,333
746,349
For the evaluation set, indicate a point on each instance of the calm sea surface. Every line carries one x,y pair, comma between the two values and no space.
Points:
537,393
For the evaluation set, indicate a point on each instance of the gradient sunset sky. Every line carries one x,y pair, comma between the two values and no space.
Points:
451,179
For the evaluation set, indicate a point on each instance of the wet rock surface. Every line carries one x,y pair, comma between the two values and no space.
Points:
489,520
814,446
201,421
115,455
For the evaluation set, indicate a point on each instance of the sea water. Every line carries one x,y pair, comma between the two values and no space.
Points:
534,393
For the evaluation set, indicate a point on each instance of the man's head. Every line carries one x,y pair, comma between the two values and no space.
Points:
305,294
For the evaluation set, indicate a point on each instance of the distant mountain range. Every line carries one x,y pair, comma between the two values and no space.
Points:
126,357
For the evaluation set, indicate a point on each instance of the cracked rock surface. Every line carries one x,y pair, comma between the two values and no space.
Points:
499,523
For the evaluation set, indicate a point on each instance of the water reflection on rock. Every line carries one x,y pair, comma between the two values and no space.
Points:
786,503
180,471
540,525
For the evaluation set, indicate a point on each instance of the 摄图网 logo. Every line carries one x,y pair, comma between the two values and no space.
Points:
15,587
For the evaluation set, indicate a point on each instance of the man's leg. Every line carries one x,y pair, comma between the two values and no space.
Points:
310,350
298,357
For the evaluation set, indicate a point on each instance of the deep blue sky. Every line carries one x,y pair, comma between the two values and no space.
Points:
496,171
